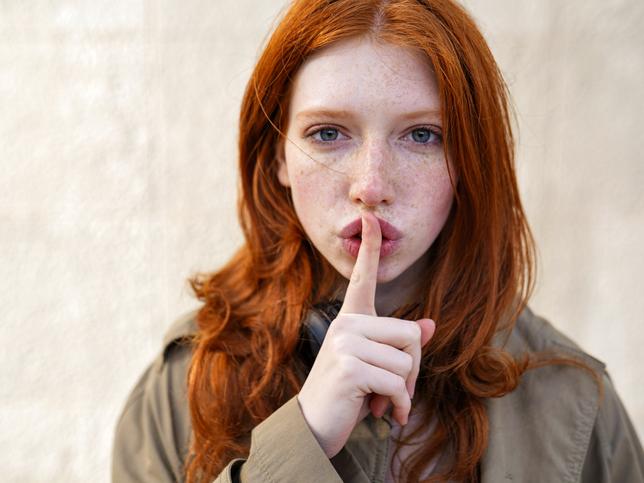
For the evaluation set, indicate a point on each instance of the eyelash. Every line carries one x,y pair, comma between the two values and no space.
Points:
429,129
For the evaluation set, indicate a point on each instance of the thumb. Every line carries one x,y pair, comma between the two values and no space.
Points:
427,329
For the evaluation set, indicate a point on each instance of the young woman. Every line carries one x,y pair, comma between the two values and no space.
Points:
374,327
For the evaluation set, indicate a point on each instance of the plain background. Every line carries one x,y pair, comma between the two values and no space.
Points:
118,181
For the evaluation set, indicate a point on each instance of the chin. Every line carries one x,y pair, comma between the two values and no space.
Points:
386,272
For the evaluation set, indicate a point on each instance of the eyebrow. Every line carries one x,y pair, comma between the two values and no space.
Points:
422,114
315,113
344,114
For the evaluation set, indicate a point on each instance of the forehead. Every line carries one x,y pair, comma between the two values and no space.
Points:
364,74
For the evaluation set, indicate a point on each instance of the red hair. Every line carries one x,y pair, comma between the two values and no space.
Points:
245,362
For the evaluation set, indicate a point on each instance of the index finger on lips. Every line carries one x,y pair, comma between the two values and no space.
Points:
361,291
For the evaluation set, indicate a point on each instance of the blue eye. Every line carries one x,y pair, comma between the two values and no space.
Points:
326,134
423,135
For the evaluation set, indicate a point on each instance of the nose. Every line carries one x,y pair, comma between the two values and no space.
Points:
372,178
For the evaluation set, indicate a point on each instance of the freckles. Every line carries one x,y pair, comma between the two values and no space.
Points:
312,193
303,190
427,199
425,182
412,184
437,181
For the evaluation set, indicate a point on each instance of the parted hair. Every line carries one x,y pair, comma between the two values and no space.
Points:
245,362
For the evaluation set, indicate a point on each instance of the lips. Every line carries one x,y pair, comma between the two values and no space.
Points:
352,239
354,228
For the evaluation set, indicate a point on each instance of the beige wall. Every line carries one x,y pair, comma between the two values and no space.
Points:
117,143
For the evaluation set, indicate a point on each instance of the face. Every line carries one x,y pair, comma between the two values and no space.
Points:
364,133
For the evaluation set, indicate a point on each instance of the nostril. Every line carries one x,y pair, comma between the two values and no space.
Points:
372,191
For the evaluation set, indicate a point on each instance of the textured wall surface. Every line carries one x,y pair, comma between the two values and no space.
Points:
117,182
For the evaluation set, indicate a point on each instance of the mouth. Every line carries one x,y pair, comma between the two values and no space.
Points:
354,230
351,236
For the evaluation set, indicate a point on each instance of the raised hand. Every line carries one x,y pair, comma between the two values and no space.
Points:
365,360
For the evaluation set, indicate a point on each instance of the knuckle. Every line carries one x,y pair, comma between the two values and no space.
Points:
408,362
399,385
348,367
355,277
415,331
339,325
342,343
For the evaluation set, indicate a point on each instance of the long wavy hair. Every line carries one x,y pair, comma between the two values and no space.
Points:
245,362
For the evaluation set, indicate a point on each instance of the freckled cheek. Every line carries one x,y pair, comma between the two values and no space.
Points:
430,199
429,187
441,194
313,196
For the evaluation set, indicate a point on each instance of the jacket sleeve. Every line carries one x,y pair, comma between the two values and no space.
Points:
283,449
615,453
153,435
153,432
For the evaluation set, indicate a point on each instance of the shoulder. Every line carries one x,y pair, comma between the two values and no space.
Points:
565,420
181,331
615,452
167,375
153,432
567,370
534,334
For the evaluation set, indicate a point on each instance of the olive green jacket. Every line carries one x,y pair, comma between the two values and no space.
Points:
552,428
